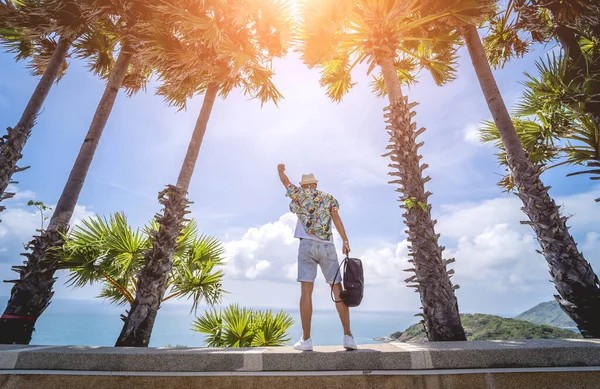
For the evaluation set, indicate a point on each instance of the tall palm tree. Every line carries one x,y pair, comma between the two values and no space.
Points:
577,284
551,121
210,50
32,292
573,24
566,85
29,28
111,252
395,37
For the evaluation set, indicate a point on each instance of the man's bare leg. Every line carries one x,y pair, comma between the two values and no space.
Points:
306,308
343,310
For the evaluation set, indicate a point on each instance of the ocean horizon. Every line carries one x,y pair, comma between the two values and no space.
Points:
94,322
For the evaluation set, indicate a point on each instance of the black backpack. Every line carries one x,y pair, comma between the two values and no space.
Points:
353,284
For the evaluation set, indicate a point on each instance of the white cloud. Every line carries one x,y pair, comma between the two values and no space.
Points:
499,258
20,223
471,134
260,268
592,239
497,265
469,219
20,194
80,213
385,264
581,208
494,251
263,252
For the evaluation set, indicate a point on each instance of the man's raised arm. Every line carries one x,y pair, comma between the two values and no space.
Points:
284,179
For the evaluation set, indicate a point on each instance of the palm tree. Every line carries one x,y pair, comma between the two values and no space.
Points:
243,327
32,292
577,284
395,37
551,121
563,98
112,253
28,28
210,50
573,24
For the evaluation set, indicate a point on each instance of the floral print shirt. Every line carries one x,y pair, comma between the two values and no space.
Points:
313,208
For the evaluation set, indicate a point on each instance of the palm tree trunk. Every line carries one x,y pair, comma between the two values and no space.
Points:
32,292
189,163
577,285
431,279
12,144
70,194
152,281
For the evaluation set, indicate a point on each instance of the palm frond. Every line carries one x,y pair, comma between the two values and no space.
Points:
243,327
583,147
406,69
231,44
336,34
113,294
259,84
541,144
211,324
336,77
271,330
137,77
16,42
97,46
237,331
196,274
504,40
101,249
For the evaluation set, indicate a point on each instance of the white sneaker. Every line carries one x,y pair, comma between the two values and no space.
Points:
349,342
304,345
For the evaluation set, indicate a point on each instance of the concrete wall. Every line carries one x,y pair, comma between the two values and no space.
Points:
483,364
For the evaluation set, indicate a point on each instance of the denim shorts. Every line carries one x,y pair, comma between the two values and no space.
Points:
312,253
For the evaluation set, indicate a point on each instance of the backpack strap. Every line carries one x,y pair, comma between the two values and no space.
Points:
344,261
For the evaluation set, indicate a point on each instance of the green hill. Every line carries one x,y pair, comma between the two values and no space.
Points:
489,327
547,313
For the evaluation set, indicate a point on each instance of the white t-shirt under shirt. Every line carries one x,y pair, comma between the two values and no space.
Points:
302,234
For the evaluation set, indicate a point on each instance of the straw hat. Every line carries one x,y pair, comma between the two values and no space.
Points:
308,179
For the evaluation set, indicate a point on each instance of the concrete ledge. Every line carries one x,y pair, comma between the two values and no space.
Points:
485,364
380,357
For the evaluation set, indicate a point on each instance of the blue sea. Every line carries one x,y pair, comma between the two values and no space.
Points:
97,323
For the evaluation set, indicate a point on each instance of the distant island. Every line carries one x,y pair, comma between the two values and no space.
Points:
547,313
540,322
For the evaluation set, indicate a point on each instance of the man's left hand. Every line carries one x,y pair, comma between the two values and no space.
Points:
346,248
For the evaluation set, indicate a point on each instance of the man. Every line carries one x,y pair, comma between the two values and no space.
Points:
315,210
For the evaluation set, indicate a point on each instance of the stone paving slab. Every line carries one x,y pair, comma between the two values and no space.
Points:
368,357
392,356
495,354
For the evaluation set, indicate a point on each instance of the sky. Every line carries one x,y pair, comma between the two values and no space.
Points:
239,199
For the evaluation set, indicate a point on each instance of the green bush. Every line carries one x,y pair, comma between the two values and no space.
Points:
243,327
489,327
